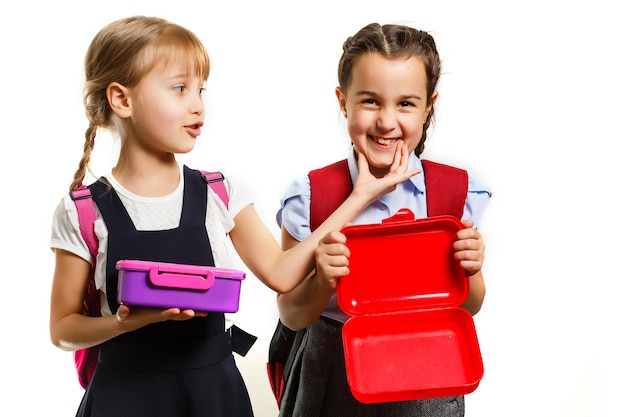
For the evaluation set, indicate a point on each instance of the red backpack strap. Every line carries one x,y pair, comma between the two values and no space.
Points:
330,186
215,180
446,189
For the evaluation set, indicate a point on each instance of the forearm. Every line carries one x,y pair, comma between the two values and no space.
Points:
304,304
474,301
347,212
69,328
77,331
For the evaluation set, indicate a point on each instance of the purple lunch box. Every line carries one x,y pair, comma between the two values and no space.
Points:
169,285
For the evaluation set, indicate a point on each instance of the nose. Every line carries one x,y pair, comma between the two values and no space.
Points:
197,106
386,118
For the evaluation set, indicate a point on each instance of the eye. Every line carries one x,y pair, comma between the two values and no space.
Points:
405,104
179,88
369,101
201,91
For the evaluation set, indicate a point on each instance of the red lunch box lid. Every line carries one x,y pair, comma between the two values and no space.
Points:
402,264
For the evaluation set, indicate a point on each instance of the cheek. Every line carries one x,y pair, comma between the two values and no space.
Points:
165,111
412,129
359,122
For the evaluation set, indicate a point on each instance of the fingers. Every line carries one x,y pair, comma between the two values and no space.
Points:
400,164
138,317
333,237
331,258
467,223
362,162
399,158
469,249
332,252
122,313
372,187
180,315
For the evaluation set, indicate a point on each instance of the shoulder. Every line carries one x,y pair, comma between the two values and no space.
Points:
339,166
474,183
65,230
239,194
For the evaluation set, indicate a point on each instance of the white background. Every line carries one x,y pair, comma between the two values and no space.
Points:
532,102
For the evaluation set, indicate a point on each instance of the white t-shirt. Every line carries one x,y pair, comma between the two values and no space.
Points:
151,213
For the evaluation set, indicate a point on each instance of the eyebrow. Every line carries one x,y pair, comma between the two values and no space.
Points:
403,97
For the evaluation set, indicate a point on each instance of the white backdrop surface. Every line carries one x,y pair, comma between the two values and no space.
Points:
532,102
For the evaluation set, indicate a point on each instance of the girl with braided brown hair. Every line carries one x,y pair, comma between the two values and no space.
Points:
388,77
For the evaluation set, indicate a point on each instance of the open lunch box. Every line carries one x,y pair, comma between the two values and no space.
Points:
167,285
408,338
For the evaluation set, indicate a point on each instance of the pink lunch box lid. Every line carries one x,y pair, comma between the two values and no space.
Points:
179,268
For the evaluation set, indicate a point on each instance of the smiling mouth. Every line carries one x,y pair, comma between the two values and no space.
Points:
384,141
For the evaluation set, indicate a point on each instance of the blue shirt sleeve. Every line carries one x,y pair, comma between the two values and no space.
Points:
295,208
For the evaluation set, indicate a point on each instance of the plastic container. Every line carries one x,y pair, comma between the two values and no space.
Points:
167,285
408,338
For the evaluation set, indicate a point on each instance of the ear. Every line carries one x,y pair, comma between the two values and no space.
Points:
433,100
119,100
341,98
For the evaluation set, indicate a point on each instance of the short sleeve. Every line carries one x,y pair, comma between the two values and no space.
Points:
65,231
295,208
478,196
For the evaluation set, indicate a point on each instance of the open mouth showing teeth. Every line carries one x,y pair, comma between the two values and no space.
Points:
383,141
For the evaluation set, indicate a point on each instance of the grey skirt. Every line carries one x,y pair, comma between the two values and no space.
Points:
317,385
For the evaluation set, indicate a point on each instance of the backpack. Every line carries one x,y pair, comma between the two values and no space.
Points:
330,186
86,359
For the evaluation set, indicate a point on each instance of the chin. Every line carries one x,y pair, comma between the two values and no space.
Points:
380,163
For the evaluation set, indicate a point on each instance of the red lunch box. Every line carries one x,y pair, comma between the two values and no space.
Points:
408,338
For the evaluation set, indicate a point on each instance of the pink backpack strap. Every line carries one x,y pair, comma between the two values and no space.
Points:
86,217
87,213
86,359
215,180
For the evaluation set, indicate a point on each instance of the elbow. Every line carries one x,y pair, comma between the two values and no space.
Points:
294,325
291,316
55,339
474,304
473,309
282,285
282,288
60,344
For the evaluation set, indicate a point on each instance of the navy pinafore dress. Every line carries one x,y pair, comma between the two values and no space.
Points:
174,368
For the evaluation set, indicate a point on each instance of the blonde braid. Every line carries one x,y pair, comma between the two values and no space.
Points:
83,165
